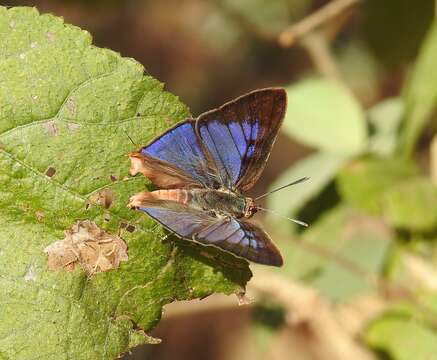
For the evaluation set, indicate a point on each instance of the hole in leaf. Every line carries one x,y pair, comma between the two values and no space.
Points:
130,228
50,172
103,198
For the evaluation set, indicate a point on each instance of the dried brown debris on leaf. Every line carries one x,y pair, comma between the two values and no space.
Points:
50,172
103,198
88,246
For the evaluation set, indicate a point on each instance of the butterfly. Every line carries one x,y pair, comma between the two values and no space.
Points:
203,167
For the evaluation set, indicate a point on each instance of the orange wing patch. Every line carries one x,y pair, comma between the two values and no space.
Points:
145,198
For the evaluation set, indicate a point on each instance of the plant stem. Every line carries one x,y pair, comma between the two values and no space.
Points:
289,36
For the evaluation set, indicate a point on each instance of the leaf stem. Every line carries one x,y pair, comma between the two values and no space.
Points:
334,8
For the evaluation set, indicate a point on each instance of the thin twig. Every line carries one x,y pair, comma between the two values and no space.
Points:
342,261
315,43
306,310
288,37
390,289
318,49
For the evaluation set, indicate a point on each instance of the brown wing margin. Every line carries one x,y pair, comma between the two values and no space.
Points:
263,109
272,106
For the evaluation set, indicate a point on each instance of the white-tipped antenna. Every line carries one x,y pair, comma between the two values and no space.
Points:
283,187
283,216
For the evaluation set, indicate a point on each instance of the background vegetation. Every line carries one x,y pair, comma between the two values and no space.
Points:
359,283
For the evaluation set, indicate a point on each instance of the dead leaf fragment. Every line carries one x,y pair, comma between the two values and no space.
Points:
103,198
87,245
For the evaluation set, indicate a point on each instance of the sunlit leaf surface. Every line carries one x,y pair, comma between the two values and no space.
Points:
66,107
325,115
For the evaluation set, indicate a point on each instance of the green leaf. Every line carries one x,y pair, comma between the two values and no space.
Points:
325,115
363,181
402,339
420,94
360,70
351,235
411,205
385,118
65,109
320,167
365,246
303,264
406,329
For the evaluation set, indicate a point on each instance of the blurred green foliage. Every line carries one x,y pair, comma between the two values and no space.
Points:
363,182
269,314
420,94
325,115
386,207
395,28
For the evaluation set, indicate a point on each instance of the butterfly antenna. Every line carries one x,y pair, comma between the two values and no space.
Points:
283,187
130,138
283,216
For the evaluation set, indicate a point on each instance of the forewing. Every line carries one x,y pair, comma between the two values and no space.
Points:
240,134
238,237
179,149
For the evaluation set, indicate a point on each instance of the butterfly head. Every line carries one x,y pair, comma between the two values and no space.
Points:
251,208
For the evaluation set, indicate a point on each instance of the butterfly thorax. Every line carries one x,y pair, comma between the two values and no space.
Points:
222,203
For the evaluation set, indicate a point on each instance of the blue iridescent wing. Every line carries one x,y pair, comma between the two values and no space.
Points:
240,134
238,237
243,239
176,159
